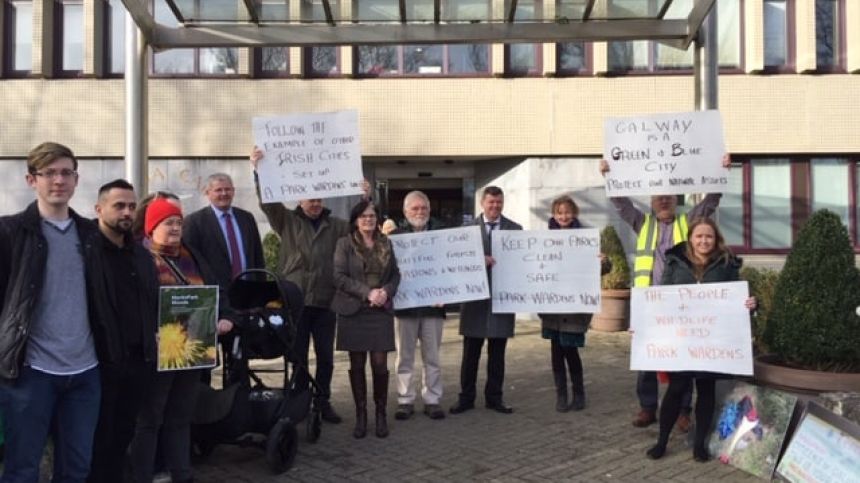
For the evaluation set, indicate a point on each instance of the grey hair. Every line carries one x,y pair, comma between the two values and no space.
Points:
415,194
218,177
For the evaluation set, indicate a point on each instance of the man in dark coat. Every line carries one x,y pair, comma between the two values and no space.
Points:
53,336
478,322
225,235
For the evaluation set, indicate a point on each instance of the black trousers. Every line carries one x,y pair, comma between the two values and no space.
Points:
122,393
319,323
495,369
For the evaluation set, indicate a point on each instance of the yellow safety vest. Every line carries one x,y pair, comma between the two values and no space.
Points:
646,243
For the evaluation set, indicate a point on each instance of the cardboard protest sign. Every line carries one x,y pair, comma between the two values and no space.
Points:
308,156
665,154
547,271
751,424
187,318
440,267
700,327
825,448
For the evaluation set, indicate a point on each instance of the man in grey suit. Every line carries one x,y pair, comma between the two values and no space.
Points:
225,235
478,322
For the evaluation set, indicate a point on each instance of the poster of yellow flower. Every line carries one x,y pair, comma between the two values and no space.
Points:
187,317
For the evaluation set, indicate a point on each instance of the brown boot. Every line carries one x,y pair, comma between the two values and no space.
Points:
380,397
359,394
645,418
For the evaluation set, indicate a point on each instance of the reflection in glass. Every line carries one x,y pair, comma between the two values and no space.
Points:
775,33
323,61
468,58
73,36
275,59
219,61
116,37
771,203
571,57
731,208
377,59
21,36
827,34
830,186
422,59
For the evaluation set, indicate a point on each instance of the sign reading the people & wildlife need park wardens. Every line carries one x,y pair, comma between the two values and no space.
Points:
187,334
440,267
665,154
308,156
701,327
547,271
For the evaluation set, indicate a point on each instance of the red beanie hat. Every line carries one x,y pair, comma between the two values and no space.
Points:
159,210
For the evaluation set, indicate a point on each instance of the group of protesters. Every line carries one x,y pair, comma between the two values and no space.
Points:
79,310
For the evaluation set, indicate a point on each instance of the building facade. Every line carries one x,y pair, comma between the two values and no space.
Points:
451,119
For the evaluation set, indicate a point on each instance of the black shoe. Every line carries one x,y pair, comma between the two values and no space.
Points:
433,411
404,412
500,407
700,454
656,452
461,407
328,414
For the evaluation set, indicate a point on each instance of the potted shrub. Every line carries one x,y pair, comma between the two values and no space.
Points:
615,286
813,330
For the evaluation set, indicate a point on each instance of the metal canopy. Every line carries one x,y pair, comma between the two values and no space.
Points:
254,23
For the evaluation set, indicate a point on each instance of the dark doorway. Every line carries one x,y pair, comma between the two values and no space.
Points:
446,198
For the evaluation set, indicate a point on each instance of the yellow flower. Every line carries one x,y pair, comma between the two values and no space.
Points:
176,350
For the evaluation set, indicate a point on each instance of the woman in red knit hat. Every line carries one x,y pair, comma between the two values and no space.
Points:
168,406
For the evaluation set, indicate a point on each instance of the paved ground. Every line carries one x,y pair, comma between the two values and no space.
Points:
533,444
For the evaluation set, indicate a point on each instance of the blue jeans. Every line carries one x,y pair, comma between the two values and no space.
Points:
648,391
30,404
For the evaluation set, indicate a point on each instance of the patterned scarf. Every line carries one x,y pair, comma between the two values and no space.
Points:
175,264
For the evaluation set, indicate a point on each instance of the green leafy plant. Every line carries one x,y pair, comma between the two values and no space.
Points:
619,277
271,247
762,283
813,322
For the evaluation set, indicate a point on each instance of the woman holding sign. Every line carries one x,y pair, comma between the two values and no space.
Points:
168,407
365,279
703,258
566,332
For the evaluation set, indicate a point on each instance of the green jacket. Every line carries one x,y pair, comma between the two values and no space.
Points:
306,255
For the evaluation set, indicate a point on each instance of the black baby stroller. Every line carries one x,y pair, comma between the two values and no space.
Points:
247,412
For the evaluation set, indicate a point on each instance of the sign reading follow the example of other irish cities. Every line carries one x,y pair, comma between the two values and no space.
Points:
440,267
308,156
665,154
546,271
698,327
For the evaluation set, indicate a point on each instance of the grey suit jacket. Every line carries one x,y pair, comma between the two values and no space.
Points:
477,318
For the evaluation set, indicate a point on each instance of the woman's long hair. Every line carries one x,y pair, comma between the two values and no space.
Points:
721,252
381,247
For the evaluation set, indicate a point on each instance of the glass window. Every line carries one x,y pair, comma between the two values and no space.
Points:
115,38
275,61
830,186
71,21
776,48
19,37
828,34
771,203
524,58
731,209
572,57
321,61
221,61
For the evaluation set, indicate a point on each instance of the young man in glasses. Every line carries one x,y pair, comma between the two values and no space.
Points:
52,339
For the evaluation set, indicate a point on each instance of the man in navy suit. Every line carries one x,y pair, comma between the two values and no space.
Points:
225,235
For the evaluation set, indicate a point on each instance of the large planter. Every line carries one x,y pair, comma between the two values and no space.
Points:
768,372
614,311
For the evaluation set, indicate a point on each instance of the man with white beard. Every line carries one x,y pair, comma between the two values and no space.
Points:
419,323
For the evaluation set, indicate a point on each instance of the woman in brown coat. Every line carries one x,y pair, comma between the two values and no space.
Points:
365,280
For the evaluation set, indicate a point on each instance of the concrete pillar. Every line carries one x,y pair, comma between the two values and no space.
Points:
136,108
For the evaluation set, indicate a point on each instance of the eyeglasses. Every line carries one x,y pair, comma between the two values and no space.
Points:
54,173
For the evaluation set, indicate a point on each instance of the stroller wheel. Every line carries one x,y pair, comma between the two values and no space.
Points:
314,426
281,446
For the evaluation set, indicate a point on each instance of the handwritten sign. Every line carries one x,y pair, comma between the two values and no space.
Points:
702,327
825,448
665,154
548,271
308,156
440,267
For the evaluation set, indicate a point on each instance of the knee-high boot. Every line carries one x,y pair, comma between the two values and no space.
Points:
380,397
359,395
561,404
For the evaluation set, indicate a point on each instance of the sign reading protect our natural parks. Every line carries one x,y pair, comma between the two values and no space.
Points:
546,271
825,448
665,154
187,334
701,327
308,156
440,267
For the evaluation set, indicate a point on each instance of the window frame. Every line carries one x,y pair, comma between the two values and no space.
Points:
59,39
790,65
261,73
840,66
307,64
445,74
586,71
537,47
9,33
107,41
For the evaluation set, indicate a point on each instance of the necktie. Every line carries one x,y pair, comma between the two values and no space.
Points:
233,246
492,225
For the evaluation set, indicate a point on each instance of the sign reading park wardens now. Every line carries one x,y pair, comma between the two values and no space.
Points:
665,154
440,267
187,334
308,156
701,327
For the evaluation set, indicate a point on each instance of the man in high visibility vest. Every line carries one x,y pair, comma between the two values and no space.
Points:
656,232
